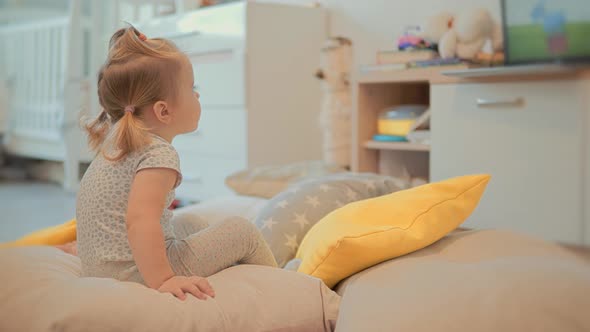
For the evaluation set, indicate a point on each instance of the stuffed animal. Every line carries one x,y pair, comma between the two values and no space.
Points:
335,66
463,36
436,26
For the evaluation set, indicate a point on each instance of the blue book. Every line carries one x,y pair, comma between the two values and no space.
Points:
436,62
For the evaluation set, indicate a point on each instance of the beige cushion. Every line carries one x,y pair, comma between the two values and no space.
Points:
42,291
267,181
471,281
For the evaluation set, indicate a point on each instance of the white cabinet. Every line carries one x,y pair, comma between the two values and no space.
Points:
532,138
253,65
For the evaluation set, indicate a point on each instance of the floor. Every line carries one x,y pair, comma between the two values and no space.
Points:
28,206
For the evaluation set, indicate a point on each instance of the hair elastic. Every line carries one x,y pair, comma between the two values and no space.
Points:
130,109
142,37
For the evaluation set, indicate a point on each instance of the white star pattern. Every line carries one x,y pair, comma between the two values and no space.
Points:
301,220
268,223
282,204
312,200
325,188
351,194
291,241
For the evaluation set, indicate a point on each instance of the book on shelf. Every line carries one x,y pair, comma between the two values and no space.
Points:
392,57
436,62
446,63
385,67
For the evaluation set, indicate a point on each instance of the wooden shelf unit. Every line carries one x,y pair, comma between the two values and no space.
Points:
376,91
536,108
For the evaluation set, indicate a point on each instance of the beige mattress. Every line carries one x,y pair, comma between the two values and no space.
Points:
471,281
489,280
468,281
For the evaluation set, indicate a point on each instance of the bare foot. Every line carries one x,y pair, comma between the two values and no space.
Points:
68,248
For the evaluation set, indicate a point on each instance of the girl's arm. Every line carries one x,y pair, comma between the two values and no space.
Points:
147,200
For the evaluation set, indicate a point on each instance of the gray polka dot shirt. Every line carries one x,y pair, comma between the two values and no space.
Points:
102,205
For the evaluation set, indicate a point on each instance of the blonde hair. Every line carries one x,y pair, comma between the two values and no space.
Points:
137,73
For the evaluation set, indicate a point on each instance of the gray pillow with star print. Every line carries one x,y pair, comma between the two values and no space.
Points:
287,217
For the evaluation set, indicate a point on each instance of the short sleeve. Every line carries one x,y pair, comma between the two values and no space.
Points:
160,155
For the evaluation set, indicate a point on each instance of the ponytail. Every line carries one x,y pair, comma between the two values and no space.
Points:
98,130
129,135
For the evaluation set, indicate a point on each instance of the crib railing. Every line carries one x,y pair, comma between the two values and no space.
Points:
45,65
34,64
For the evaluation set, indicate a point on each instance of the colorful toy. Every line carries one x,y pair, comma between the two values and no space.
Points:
412,41
436,26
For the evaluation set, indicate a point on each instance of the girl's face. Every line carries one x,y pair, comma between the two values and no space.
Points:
188,107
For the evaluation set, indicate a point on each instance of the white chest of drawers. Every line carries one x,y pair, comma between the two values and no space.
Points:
253,66
533,138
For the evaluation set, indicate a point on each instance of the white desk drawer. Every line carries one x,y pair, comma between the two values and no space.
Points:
532,148
221,134
219,77
204,178
203,30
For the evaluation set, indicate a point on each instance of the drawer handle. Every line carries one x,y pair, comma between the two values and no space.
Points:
482,102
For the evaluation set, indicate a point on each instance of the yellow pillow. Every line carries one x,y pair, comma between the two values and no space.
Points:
54,235
365,233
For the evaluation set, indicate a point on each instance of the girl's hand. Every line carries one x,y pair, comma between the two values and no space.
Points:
179,285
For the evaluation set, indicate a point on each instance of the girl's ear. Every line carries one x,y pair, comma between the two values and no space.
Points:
162,112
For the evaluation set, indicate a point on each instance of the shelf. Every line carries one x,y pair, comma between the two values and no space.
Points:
427,75
522,72
397,146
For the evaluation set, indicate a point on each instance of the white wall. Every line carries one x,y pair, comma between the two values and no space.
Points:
376,24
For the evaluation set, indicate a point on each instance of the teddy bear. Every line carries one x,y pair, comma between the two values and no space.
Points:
465,35
335,115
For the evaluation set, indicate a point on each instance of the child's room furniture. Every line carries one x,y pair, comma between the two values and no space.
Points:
529,129
260,101
44,67
532,133
468,281
48,65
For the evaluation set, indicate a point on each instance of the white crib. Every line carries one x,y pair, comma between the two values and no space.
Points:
48,65
45,66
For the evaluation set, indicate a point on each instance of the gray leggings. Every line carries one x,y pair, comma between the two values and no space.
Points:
204,250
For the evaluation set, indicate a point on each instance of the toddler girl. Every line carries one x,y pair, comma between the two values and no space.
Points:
124,228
